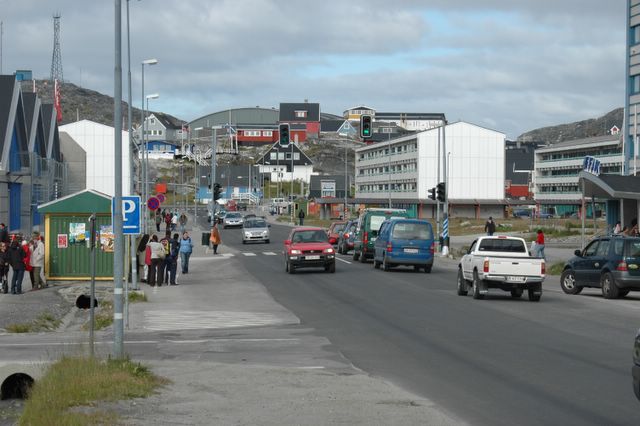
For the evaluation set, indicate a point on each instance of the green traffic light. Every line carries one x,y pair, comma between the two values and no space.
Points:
366,131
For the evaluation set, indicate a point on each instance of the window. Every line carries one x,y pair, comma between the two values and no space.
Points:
635,84
252,133
152,121
288,156
296,155
160,132
272,155
603,248
591,249
301,114
634,36
267,133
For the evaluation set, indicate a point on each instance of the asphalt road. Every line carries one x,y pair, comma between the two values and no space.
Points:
565,360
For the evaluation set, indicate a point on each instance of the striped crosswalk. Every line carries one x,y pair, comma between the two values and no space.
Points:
191,320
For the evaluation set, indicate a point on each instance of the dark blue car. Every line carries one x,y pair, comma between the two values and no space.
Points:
611,263
403,241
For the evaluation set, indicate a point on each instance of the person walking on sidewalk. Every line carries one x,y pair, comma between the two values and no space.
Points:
158,221
183,222
16,259
490,226
27,261
540,243
155,248
37,261
186,248
4,266
160,276
215,239
171,261
301,217
4,234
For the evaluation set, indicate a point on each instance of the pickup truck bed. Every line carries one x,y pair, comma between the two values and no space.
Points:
503,263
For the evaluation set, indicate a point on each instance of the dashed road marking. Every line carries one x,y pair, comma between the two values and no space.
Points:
342,260
269,253
249,254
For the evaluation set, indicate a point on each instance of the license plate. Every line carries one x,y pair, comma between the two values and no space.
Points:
312,257
517,279
411,250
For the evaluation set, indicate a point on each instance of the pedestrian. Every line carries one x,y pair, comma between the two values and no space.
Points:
490,226
633,231
183,222
617,228
4,266
174,221
301,217
186,248
156,254
142,251
160,276
27,260
4,234
540,243
167,221
158,221
16,260
171,261
215,239
37,261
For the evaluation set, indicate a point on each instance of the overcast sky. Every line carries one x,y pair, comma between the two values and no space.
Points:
510,65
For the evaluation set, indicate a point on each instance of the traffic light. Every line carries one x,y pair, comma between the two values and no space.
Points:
432,194
217,191
442,196
285,140
366,129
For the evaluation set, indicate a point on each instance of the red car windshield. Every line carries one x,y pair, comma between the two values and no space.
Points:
310,236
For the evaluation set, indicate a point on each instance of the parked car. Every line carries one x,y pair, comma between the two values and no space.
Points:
635,370
232,219
367,229
334,231
308,247
522,213
255,229
220,214
611,263
345,239
404,242
500,262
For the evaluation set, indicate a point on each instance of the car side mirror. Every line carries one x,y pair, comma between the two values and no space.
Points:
287,242
578,253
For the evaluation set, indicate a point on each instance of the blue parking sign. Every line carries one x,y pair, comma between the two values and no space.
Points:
131,214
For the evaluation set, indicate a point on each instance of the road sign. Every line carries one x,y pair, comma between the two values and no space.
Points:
131,214
153,203
160,197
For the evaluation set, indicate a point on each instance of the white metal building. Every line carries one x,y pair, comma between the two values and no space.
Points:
98,142
476,171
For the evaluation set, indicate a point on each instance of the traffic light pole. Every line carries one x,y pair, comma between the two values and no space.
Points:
445,224
214,148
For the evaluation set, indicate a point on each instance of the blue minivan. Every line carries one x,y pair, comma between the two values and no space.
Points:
403,241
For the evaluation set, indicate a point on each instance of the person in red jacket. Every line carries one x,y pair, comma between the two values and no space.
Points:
540,243
27,260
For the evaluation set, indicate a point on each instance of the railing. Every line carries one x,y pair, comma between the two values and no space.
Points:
246,197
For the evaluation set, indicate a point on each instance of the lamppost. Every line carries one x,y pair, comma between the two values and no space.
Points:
152,61
146,150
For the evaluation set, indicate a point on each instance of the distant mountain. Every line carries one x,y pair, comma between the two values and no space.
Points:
79,103
578,130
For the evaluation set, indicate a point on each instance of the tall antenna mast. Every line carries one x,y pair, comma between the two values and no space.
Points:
56,60
1,33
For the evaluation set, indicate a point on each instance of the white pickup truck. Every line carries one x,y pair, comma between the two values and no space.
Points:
500,262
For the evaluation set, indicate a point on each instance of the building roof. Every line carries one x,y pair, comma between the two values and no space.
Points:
595,140
410,116
331,125
288,112
51,132
169,121
610,186
239,117
12,117
35,124
87,201
358,108
266,158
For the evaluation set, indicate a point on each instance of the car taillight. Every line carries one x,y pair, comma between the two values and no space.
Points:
622,266
485,267
432,249
365,238
389,247
543,268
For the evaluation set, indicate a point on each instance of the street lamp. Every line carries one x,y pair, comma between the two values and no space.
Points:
146,150
152,61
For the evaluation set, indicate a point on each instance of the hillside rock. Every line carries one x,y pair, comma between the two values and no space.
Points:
578,130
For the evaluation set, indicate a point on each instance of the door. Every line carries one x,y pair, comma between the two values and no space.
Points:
15,201
467,262
584,266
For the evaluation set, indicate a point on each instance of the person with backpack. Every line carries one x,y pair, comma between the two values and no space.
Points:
16,260
171,261
186,248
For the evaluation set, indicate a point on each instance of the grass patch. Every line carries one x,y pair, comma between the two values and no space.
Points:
556,268
135,297
46,321
71,387
104,312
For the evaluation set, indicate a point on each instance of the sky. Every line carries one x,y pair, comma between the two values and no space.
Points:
509,65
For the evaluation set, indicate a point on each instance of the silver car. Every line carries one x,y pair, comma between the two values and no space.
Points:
255,229
232,219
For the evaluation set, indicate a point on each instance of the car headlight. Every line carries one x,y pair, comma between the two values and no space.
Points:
636,349
295,252
265,233
328,250
247,234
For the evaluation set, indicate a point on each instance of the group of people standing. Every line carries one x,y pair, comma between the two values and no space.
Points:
160,257
171,220
631,230
20,255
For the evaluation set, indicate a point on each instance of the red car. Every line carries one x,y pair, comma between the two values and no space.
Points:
334,232
307,247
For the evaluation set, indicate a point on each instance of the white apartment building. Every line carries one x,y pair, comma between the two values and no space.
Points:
404,169
556,169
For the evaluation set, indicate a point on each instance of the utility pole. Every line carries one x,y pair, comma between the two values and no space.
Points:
118,254
132,187
291,204
214,148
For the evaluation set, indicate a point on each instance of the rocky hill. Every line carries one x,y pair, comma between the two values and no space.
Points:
578,130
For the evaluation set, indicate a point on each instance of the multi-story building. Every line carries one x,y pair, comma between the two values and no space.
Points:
404,169
556,169
631,128
303,119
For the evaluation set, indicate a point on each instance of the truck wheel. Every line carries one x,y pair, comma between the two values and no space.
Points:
609,288
355,255
292,269
462,284
516,293
427,269
568,282
286,266
533,296
332,268
476,287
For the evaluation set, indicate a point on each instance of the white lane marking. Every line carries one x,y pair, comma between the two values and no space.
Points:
249,254
270,253
342,260
227,255
312,367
